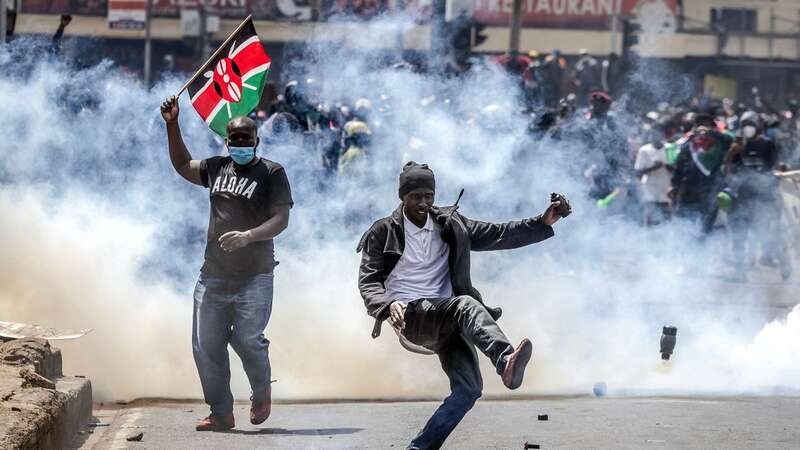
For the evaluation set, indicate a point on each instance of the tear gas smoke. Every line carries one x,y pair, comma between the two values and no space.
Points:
98,231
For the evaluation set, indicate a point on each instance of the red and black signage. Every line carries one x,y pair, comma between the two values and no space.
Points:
572,13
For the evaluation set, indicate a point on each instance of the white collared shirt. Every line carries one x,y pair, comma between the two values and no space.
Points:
423,270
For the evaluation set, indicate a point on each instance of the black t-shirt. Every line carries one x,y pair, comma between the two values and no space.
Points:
758,154
241,199
752,174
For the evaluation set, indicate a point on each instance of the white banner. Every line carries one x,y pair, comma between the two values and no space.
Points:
127,14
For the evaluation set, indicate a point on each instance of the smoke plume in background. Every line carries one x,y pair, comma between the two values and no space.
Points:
99,231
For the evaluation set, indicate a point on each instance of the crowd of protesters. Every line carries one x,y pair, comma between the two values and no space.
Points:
715,162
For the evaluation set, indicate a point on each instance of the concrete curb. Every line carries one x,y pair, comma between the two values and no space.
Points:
35,412
77,409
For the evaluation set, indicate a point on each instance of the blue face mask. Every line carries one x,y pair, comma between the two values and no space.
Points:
242,155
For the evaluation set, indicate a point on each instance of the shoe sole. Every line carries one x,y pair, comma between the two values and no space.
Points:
523,357
215,429
259,422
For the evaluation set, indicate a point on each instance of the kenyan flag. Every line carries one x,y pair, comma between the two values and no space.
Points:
230,83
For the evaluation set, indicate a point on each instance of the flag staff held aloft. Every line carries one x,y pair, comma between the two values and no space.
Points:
213,57
230,83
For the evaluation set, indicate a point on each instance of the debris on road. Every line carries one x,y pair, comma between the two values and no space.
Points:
543,417
528,446
599,389
135,437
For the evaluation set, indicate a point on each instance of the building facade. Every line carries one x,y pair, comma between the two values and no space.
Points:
755,43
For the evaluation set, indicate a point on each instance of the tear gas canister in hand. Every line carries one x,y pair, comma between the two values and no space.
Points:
668,336
564,209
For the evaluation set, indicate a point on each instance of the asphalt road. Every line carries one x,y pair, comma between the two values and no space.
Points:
574,423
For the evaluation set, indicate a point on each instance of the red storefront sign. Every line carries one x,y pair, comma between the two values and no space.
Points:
127,14
224,8
569,13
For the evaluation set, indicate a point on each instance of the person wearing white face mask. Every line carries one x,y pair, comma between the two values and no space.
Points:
749,131
755,213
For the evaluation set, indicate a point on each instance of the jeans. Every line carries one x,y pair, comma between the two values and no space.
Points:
453,328
234,312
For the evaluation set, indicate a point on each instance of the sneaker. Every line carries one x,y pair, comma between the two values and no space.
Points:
216,422
260,408
515,366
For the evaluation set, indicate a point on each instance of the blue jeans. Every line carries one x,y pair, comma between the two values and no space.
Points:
234,312
454,328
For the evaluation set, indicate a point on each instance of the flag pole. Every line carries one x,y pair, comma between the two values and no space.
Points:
214,55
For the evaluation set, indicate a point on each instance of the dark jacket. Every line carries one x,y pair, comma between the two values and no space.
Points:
691,185
383,244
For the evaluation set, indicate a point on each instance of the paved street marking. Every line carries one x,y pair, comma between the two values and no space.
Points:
128,422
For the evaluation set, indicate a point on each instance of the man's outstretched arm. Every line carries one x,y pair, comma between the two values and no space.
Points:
485,236
179,155
55,44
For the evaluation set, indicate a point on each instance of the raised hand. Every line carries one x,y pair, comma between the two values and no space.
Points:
170,109
65,20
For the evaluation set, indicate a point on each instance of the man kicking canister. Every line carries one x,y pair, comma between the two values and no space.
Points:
250,201
415,271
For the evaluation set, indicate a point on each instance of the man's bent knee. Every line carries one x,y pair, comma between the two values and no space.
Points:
467,306
467,302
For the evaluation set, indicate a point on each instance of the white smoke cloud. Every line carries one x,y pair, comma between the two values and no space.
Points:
98,231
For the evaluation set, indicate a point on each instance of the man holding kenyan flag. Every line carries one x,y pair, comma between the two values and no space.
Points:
250,201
